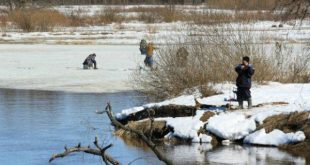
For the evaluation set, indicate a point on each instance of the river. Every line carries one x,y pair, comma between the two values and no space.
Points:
36,124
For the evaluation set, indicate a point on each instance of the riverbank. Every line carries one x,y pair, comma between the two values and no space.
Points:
279,118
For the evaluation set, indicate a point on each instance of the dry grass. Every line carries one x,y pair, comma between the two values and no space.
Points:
149,17
291,68
242,4
211,18
206,116
287,123
3,20
110,15
45,19
157,131
37,20
157,14
213,54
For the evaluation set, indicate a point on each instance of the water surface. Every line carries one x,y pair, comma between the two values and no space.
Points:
36,124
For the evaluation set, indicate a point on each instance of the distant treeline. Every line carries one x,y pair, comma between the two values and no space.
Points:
98,2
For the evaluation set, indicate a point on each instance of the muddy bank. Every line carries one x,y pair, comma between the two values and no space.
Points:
288,123
172,110
299,149
155,129
296,121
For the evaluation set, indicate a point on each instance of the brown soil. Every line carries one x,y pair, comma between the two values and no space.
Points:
296,121
206,116
287,122
300,149
157,131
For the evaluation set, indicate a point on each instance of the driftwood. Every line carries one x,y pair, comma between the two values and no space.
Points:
161,111
100,151
171,110
148,142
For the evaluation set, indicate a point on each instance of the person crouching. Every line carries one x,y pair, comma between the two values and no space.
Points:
245,71
90,62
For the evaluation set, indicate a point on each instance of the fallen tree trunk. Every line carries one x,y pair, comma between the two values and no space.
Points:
161,111
149,143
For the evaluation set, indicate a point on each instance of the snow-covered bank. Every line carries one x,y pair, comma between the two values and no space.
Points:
274,138
239,124
187,128
59,67
230,126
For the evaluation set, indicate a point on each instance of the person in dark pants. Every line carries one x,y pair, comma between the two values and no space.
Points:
245,71
90,61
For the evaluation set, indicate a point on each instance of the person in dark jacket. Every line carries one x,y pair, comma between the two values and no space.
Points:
143,45
245,71
90,61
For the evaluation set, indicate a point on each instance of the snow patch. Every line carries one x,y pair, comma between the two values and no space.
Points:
231,126
187,128
274,138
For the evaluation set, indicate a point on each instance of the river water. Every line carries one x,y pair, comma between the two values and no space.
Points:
36,124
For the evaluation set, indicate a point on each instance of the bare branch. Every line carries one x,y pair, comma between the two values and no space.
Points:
149,143
100,152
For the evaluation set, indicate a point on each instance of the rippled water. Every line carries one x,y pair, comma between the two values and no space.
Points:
36,124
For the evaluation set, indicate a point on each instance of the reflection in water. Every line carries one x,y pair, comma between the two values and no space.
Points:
233,154
35,124
236,154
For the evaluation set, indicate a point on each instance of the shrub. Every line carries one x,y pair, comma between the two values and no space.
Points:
292,67
242,4
23,19
3,20
159,14
212,57
110,15
37,19
148,17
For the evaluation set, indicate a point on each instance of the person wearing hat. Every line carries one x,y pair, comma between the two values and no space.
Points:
245,72
90,61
